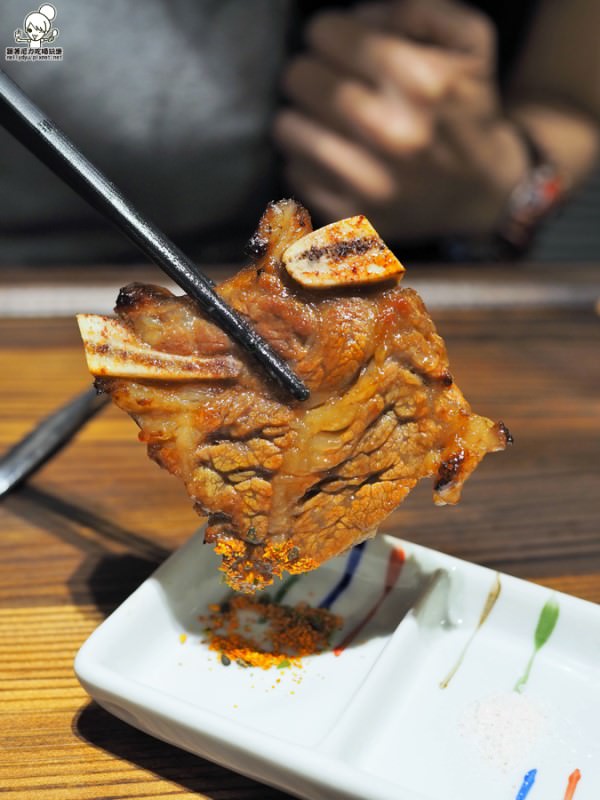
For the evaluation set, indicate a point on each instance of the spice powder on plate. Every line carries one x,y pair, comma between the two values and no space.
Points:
261,633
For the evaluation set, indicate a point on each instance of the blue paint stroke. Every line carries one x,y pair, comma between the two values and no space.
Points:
528,782
351,566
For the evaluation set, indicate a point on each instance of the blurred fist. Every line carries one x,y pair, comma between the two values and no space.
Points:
395,113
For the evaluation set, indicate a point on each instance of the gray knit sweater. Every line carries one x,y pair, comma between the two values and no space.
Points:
171,98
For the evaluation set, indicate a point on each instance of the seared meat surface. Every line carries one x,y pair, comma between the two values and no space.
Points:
288,485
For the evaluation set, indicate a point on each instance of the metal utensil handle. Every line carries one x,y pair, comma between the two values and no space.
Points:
47,438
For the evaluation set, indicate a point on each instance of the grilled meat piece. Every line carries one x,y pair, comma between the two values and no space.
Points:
288,485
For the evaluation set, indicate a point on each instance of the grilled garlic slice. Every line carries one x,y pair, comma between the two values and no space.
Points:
341,254
111,349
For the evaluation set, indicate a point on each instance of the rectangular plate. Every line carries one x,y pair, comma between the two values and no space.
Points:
420,705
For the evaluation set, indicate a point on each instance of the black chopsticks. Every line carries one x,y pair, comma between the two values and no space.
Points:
47,438
20,116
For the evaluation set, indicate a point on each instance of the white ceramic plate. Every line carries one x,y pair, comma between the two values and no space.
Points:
374,722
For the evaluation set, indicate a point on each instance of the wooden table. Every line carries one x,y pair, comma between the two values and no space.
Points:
93,523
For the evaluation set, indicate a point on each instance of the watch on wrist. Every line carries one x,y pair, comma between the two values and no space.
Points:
537,195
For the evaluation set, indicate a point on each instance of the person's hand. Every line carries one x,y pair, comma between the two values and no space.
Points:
396,114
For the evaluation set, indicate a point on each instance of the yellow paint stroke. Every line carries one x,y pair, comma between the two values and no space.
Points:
489,604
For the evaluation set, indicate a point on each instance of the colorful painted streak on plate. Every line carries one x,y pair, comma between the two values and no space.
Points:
543,631
285,588
574,779
344,582
489,604
530,777
528,782
395,563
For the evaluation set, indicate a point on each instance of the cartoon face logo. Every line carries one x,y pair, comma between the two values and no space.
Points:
37,27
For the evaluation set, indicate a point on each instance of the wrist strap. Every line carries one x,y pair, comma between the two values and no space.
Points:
534,198
537,195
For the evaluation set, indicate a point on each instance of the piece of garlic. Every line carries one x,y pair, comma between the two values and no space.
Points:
344,253
111,349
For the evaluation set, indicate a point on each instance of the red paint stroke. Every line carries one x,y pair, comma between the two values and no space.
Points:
394,568
574,779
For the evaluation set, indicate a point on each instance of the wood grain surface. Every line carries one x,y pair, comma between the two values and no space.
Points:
96,520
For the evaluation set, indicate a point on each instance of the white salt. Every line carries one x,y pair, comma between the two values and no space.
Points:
504,728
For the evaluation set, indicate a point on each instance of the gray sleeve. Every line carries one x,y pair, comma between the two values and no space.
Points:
171,98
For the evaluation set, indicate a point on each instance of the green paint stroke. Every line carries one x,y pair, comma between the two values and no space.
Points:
285,587
489,604
544,629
